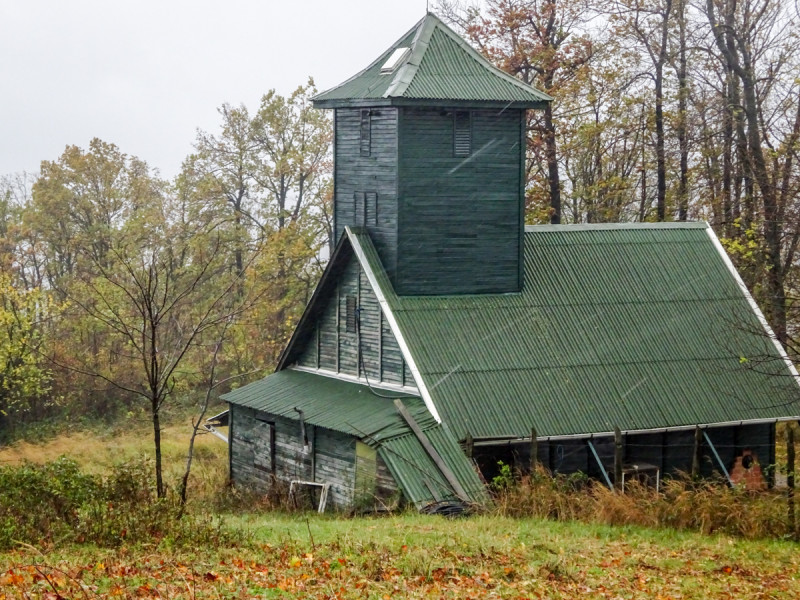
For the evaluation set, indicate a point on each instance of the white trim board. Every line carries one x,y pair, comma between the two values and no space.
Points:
753,304
393,325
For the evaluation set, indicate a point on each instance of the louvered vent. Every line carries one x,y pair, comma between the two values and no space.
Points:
351,314
365,132
462,134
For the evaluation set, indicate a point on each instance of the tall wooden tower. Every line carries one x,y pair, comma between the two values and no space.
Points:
429,156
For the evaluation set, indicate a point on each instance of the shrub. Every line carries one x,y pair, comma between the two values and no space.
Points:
55,502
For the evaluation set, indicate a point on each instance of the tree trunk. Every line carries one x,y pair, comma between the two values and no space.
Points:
160,491
661,163
737,54
683,96
551,154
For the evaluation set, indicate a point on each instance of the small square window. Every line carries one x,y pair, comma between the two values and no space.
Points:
462,133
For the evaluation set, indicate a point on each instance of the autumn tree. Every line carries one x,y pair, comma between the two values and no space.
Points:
544,43
24,378
151,283
757,45
271,173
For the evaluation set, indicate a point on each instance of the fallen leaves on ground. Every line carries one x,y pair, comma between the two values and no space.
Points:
613,570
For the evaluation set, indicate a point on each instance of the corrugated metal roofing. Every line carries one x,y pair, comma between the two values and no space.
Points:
419,477
353,408
440,66
335,404
636,327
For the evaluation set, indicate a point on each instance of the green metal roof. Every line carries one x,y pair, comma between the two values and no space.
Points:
354,409
418,476
343,406
637,327
440,65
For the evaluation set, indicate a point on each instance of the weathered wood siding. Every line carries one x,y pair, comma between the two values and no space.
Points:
249,444
334,463
366,185
461,219
334,346
260,464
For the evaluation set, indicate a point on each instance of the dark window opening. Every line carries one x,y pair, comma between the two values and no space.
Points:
366,127
462,133
264,446
351,314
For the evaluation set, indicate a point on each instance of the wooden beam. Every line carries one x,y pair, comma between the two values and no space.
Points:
435,456
618,451
790,480
600,464
534,451
469,445
698,440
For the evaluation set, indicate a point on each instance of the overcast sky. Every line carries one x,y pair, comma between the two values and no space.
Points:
145,75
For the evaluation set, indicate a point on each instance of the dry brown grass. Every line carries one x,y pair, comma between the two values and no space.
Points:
98,452
707,506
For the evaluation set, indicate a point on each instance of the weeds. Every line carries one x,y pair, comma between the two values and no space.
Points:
708,506
55,503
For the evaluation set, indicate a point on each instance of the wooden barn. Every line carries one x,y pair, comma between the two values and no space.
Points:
445,335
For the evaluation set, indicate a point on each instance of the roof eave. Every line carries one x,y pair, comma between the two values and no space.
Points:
429,102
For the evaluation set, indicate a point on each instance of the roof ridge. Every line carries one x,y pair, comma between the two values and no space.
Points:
484,62
382,56
405,74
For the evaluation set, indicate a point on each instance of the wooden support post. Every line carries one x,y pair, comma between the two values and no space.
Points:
790,480
469,445
603,471
618,457
698,440
444,469
534,451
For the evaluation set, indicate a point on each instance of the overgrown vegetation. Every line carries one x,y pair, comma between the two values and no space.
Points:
56,503
89,523
415,556
705,506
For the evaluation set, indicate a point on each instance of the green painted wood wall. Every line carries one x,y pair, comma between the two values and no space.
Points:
441,223
460,218
356,175
334,345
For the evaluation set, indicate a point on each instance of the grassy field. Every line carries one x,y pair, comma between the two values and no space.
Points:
414,556
278,555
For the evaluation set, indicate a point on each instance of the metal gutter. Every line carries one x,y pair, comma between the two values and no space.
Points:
583,436
390,318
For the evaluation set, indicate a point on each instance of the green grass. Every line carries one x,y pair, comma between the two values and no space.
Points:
280,555
420,556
